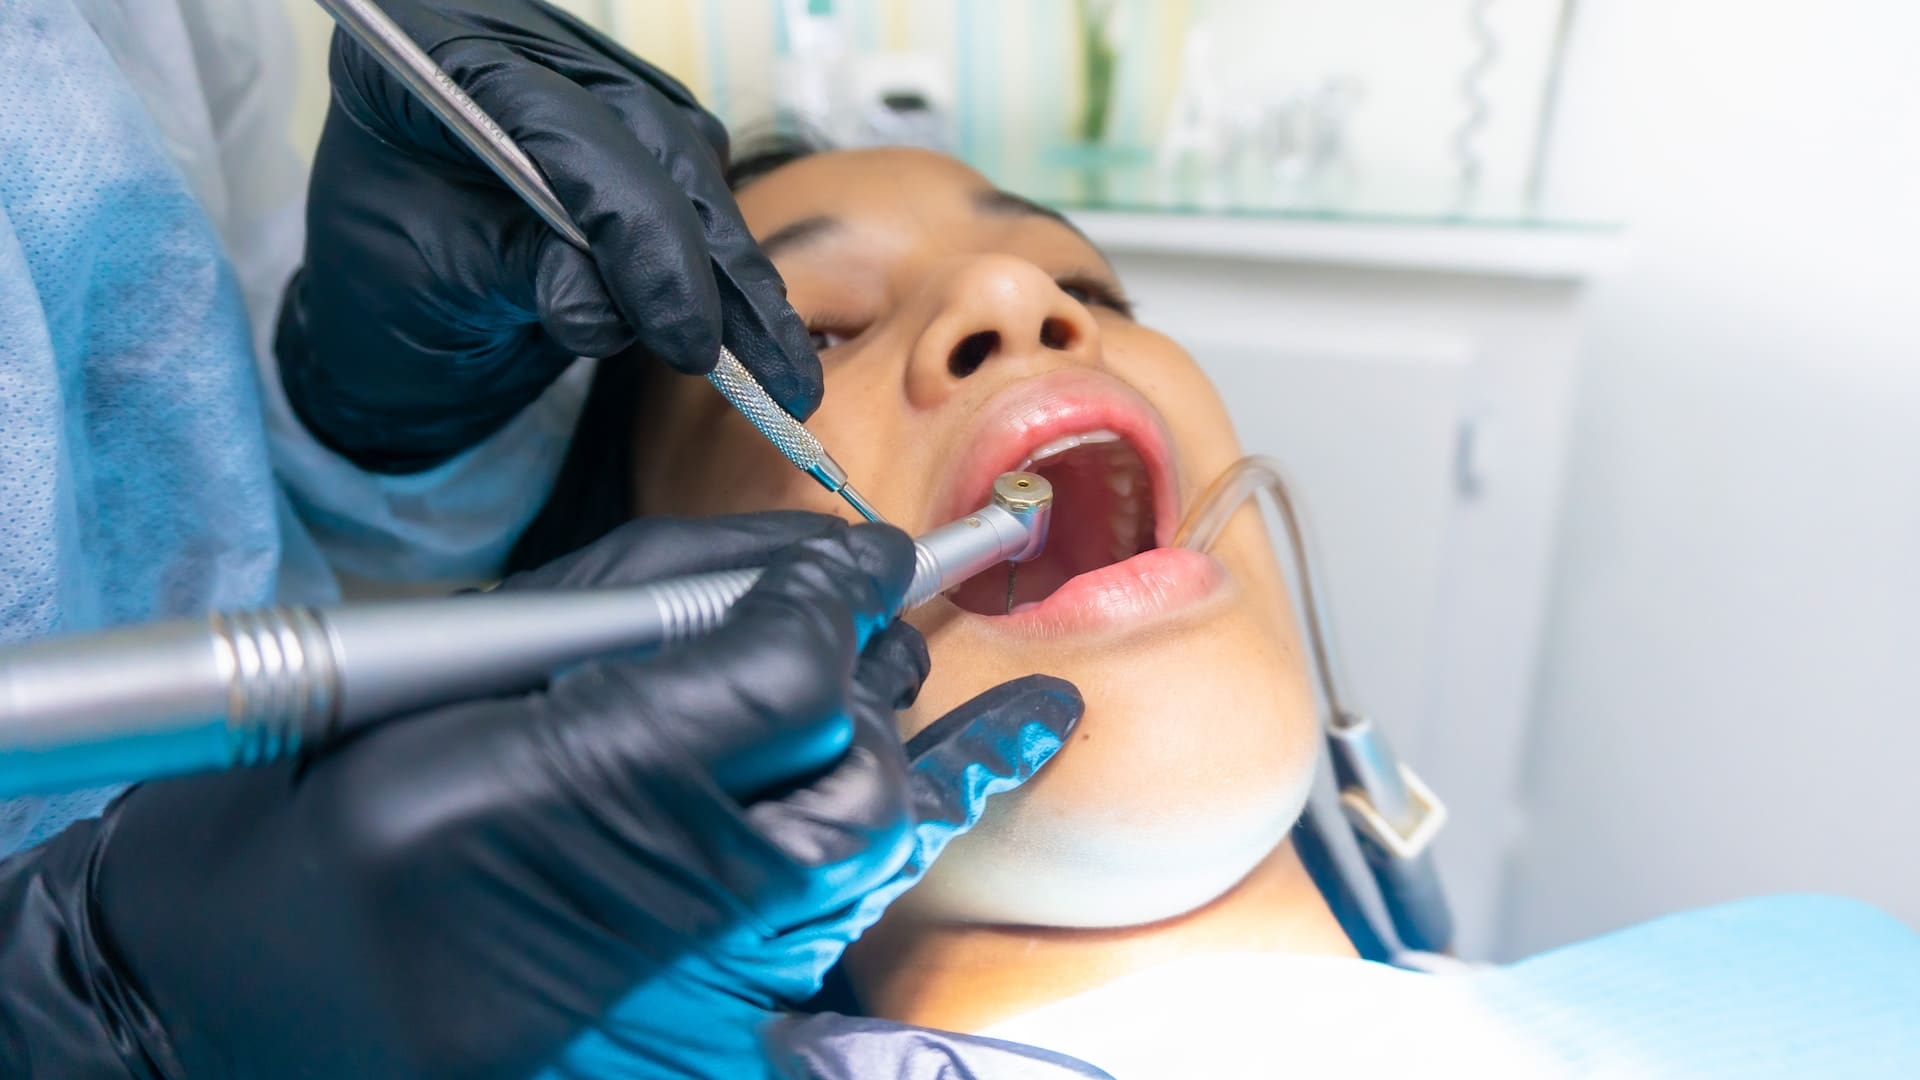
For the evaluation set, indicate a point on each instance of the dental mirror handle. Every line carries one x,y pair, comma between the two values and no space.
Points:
249,687
363,21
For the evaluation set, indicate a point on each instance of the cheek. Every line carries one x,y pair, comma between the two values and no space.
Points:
1198,746
696,457
1190,766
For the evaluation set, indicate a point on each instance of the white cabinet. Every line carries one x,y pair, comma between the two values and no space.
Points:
1414,380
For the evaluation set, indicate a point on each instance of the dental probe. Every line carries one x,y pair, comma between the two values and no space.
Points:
434,88
249,687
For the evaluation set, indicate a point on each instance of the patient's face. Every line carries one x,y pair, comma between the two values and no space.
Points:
965,334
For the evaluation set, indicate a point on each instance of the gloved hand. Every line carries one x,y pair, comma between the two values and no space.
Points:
479,890
434,305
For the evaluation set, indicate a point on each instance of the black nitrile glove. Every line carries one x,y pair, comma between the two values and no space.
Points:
434,305
628,873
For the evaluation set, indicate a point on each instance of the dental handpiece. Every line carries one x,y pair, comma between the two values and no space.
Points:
381,36
249,687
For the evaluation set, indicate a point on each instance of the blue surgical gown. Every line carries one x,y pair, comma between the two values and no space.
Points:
150,214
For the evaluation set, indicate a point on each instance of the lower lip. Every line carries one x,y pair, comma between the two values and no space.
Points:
1125,594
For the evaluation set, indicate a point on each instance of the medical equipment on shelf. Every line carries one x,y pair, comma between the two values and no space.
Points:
409,63
1392,812
249,687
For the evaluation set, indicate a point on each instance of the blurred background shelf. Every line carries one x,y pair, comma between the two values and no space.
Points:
1341,239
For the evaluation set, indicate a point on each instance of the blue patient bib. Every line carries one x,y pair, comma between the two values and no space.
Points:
1788,986
134,476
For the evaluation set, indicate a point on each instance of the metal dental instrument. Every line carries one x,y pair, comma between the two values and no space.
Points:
249,687
367,24
1395,815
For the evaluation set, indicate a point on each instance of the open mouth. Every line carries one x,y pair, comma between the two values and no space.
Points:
1116,504
1103,513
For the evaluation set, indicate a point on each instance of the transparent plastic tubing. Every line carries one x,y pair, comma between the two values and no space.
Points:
1366,770
1208,520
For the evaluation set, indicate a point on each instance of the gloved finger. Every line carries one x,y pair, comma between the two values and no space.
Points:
991,744
653,548
766,335
649,247
767,693
708,126
894,666
851,829
572,302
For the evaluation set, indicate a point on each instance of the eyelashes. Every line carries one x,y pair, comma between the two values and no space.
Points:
1091,291
828,330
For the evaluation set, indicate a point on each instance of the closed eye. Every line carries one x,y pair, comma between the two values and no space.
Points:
828,330
1093,292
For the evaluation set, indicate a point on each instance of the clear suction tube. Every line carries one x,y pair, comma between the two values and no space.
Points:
1208,520
1394,813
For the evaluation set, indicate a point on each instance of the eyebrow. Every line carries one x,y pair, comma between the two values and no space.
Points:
1000,203
800,233
993,202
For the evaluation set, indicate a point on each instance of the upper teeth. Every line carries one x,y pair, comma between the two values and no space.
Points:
1125,477
1065,443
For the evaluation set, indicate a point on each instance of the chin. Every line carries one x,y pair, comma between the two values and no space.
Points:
1161,803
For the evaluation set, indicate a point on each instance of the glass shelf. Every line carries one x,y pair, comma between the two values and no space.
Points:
1129,182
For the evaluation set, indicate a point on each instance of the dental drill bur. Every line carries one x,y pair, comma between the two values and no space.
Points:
367,24
249,687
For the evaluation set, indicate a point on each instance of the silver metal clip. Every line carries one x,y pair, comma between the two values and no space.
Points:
1384,800
1401,843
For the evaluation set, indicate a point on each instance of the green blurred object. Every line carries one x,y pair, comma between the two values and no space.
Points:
1098,59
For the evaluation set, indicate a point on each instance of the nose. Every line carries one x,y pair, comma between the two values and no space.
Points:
998,311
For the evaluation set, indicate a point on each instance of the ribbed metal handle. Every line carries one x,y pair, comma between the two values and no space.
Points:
926,582
745,393
238,688
692,606
283,682
246,687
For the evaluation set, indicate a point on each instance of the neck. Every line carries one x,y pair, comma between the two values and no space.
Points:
967,977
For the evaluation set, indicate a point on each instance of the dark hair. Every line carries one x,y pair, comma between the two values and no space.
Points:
764,149
593,493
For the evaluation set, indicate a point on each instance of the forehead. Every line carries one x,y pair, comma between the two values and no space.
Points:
879,182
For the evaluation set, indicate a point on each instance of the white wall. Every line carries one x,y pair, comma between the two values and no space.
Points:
1730,698
1410,57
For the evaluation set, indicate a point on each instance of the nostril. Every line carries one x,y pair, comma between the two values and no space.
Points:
1056,334
973,350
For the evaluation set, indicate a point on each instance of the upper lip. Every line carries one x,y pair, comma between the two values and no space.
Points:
1034,412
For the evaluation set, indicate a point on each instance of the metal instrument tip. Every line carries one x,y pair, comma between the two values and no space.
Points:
861,505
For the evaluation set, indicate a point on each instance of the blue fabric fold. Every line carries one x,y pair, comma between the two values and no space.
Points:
134,476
